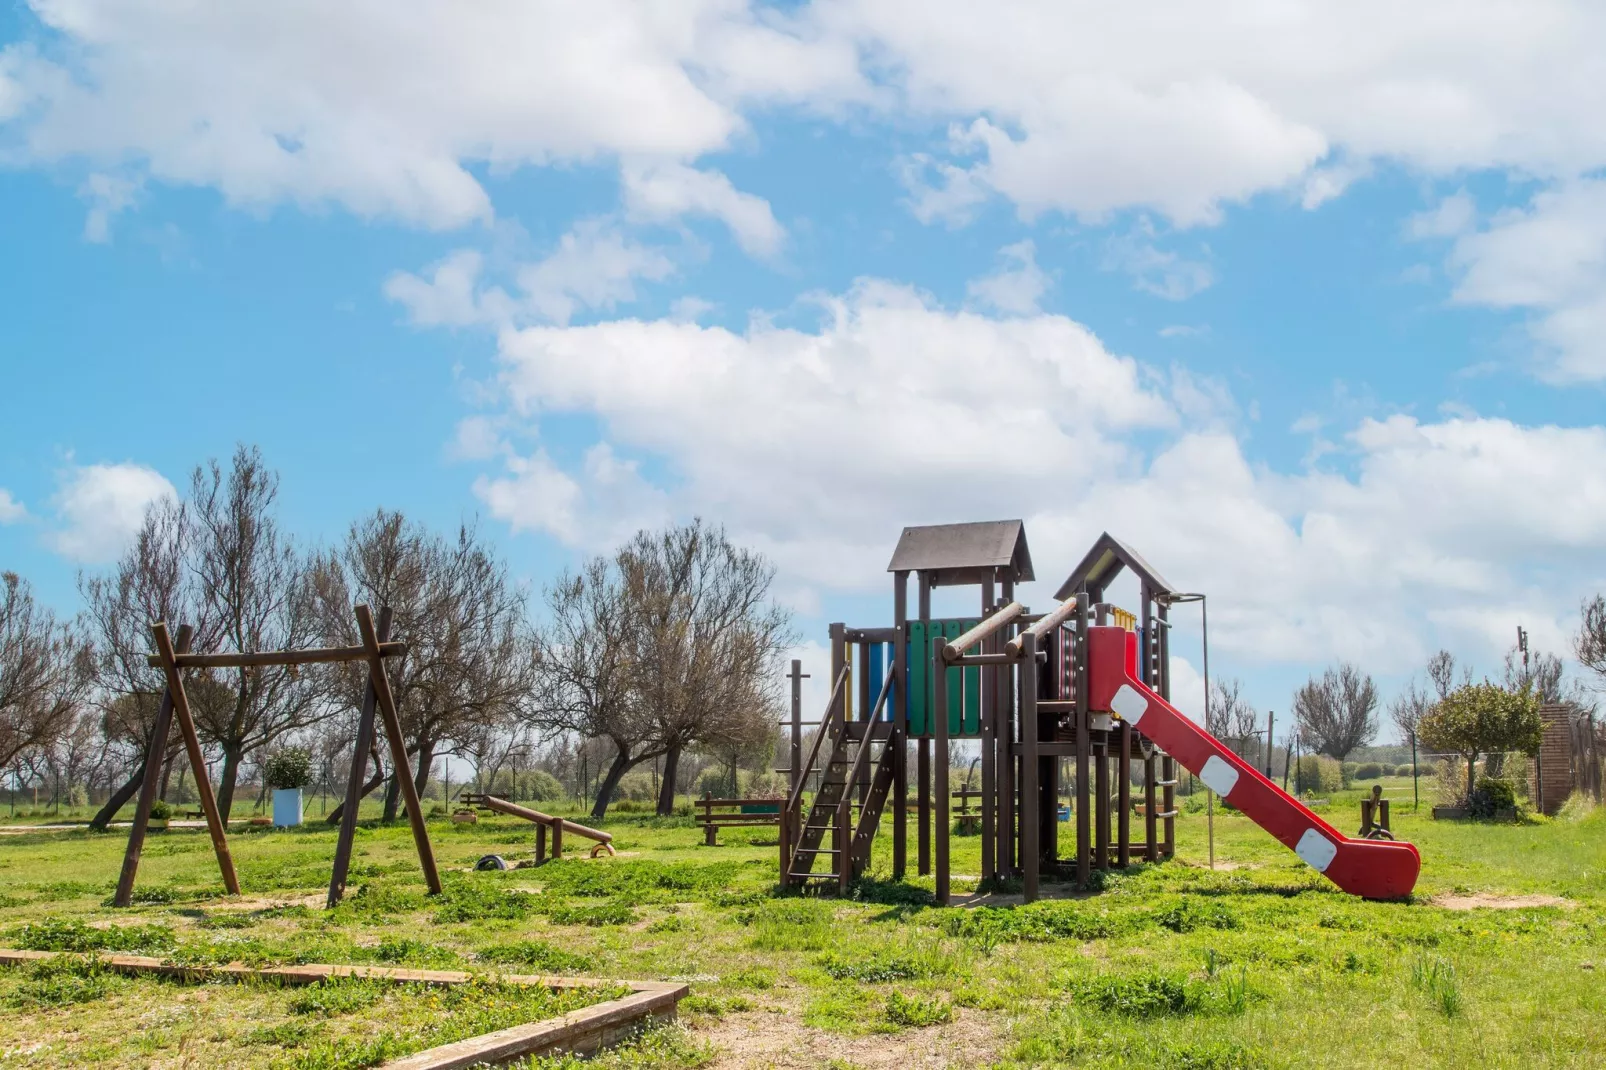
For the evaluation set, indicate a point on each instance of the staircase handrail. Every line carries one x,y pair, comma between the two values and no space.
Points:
860,755
833,709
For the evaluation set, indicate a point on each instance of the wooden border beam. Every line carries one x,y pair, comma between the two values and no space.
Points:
231,659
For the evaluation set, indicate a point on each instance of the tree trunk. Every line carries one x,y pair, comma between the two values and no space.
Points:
226,781
167,774
426,758
392,796
115,802
666,787
622,764
366,790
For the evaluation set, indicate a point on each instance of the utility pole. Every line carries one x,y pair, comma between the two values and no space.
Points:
1271,747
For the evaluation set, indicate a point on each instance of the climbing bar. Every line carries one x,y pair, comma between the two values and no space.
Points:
1047,623
1003,616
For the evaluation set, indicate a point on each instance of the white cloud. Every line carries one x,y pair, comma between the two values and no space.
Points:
1550,260
1450,218
817,446
594,266
1016,287
107,195
382,109
99,508
1154,270
11,510
662,192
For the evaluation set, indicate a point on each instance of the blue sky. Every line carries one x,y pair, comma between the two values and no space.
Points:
1303,309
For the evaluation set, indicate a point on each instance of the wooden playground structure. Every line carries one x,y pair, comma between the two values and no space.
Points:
1086,681
1008,679
173,657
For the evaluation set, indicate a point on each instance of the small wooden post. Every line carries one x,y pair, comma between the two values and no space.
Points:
398,748
923,753
540,842
1366,817
1101,806
557,838
192,743
795,761
155,755
359,766
1004,745
989,707
1151,841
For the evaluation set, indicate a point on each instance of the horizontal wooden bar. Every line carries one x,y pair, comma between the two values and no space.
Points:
994,621
261,658
870,635
502,806
1047,623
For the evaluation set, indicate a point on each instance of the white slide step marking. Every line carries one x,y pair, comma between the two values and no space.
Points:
1316,850
1219,775
1129,705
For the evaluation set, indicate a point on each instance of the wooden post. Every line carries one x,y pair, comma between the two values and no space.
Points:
1004,747
797,677
989,714
865,701
557,839
192,744
1101,806
900,725
1151,842
359,766
398,749
540,843
155,755
939,666
1030,858
923,753
1123,839
1084,746
1168,767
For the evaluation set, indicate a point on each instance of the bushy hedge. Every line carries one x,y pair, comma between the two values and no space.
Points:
1317,773
1369,771
288,767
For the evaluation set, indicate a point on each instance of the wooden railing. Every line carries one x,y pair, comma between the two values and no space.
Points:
790,813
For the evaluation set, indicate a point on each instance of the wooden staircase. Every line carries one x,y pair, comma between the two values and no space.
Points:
855,781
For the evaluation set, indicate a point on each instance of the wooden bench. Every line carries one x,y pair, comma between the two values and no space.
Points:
714,814
969,821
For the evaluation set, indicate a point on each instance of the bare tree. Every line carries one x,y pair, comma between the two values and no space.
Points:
45,672
705,643
252,582
469,659
1541,675
1232,718
587,671
1408,709
1337,713
1590,642
1442,674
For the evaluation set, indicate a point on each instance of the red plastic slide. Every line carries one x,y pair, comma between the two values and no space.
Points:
1375,869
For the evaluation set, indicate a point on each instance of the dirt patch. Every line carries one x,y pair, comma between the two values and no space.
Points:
780,1039
266,902
1485,901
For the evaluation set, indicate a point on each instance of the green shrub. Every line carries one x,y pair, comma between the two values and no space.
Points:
917,1013
538,785
1148,995
1317,774
161,810
1422,770
287,768
1346,772
1491,796
1370,771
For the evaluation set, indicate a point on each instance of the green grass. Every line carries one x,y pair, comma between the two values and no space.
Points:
1257,964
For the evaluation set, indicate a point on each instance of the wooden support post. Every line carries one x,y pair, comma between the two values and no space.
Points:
398,748
359,766
557,839
939,667
192,744
1101,807
1168,767
1004,747
923,756
1084,746
1030,856
795,759
900,727
989,713
866,699
1123,839
1151,841
155,755
540,843
842,841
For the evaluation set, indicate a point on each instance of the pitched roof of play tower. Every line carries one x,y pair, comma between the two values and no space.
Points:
964,553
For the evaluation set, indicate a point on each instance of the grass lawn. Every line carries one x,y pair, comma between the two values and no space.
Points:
1259,963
